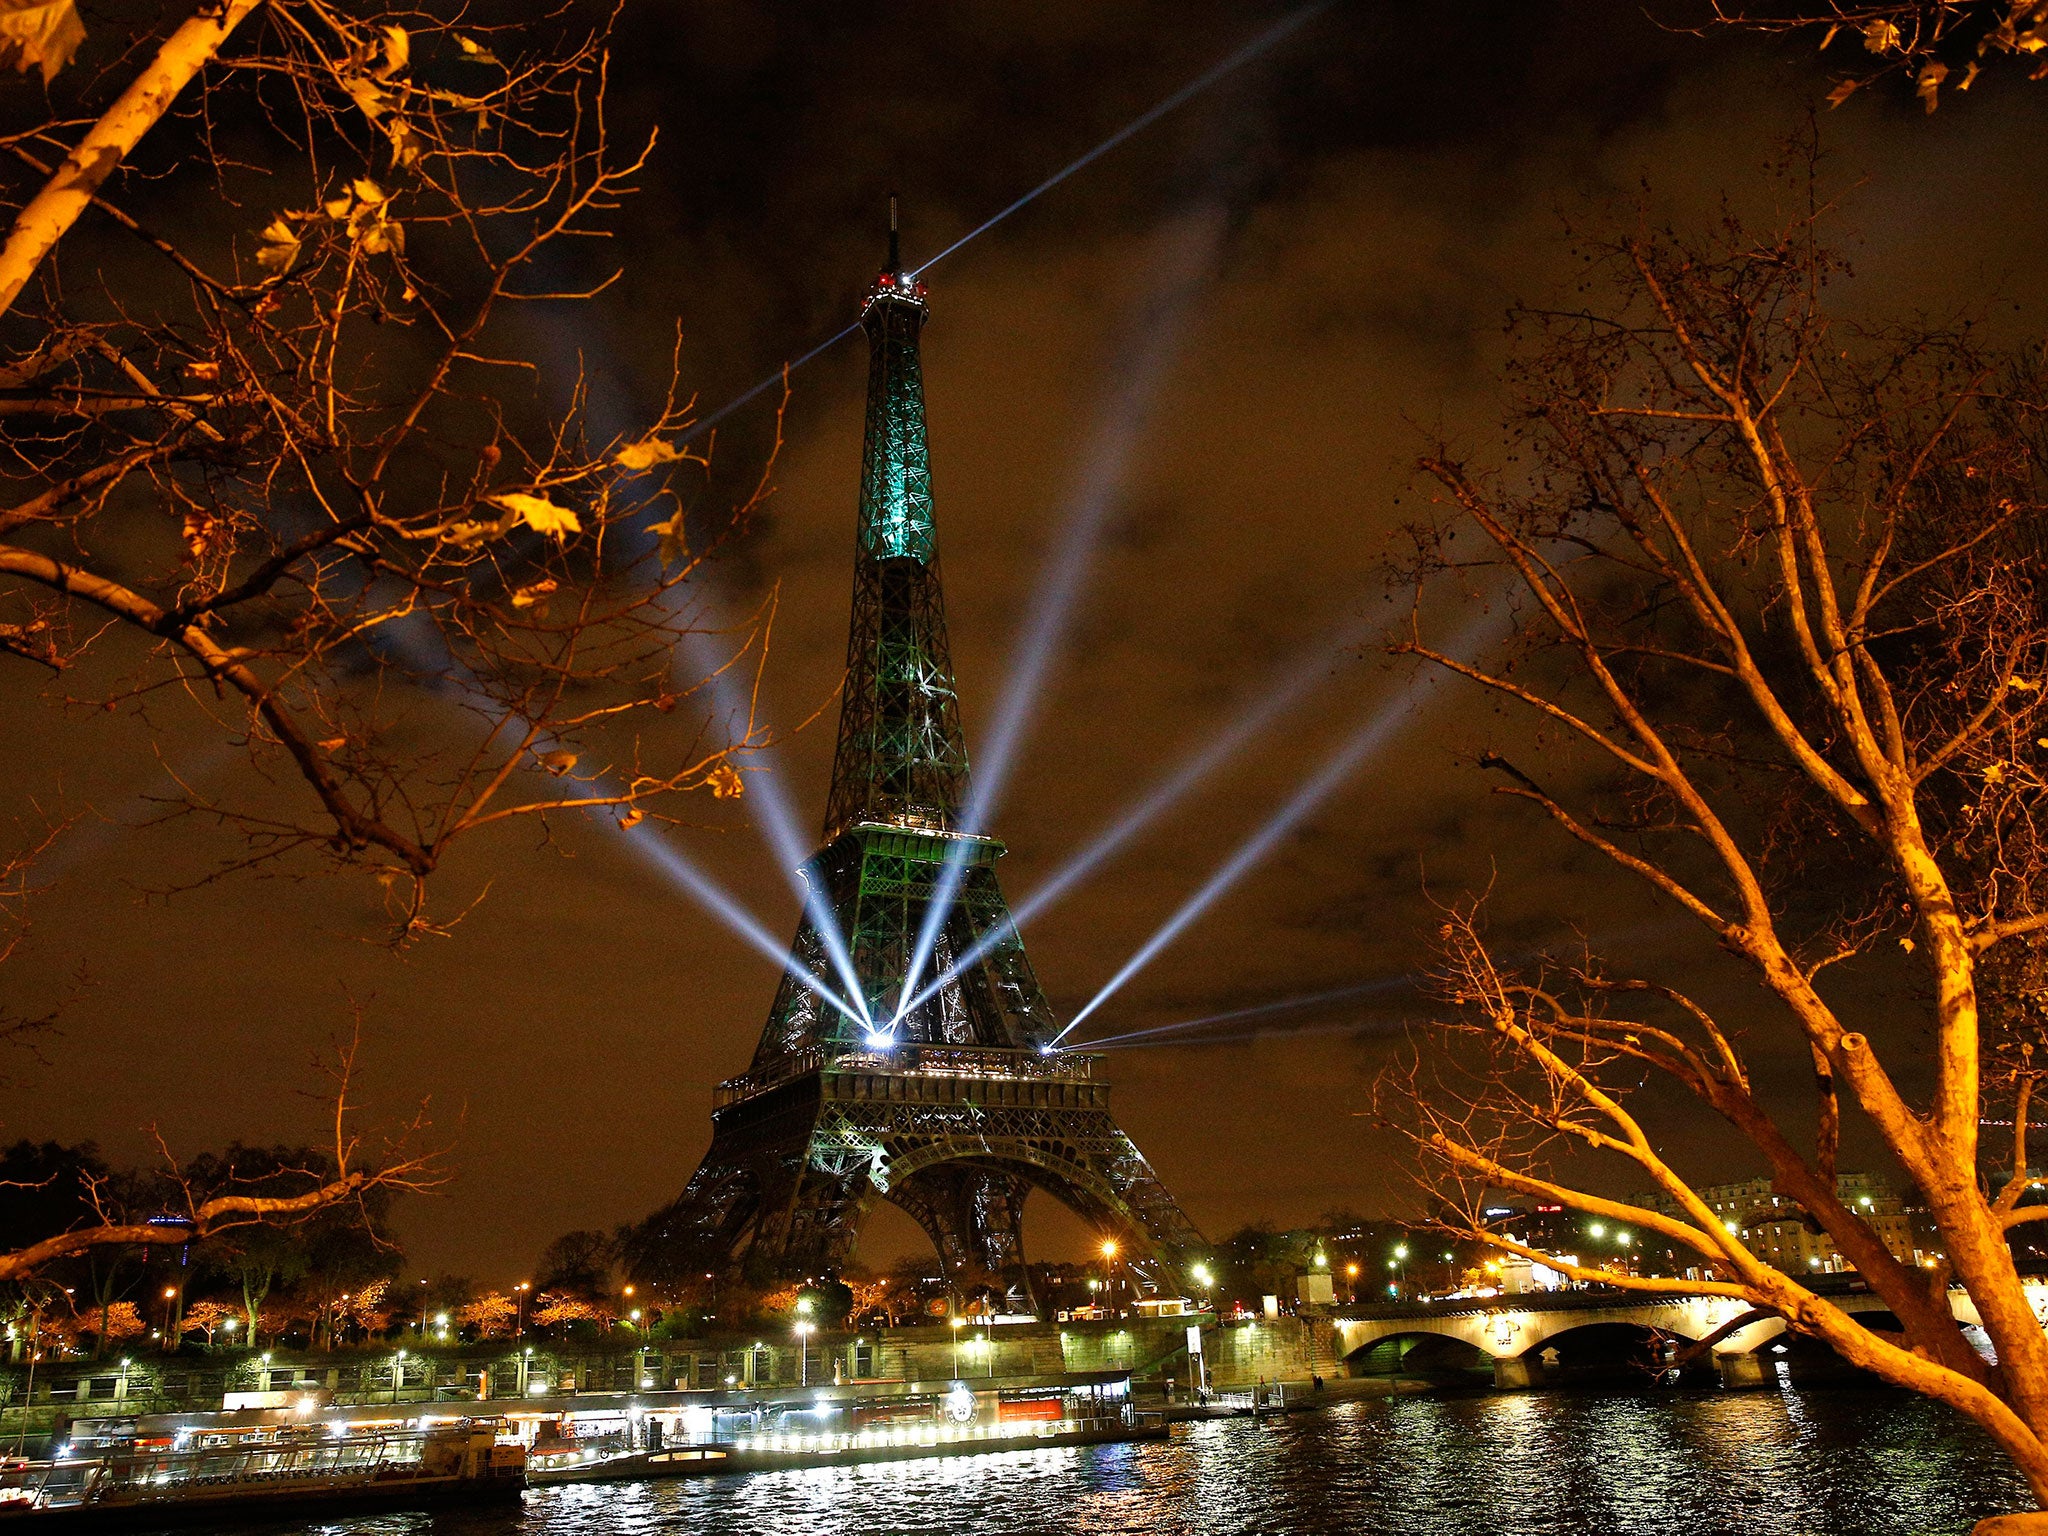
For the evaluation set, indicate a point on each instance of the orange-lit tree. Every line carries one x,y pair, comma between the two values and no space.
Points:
1935,44
1777,602
285,448
491,1316
343,1189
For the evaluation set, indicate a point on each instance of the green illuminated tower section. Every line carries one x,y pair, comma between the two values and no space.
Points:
900,771
953,1108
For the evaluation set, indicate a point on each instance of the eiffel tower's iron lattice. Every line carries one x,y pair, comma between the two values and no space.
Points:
963,1110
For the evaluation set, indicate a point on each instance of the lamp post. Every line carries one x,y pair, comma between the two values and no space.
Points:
519,1294
1109,1265
959,1322
28,1396
803,1352
397,1374
1351,1275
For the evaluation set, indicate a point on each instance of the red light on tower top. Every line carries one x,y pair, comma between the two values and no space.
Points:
892,282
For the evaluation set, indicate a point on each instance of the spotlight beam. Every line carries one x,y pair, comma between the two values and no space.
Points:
670,861
776,818
714,898
1191,250
1257,1010
1240,1036
1251,50
1339,766
1351,755
1266,706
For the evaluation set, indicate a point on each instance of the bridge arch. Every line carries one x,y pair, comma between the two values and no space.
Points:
1423,1352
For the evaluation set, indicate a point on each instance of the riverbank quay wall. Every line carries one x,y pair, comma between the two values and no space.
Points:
1154,1351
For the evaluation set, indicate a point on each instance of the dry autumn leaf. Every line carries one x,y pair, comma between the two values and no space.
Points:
539,514
675,544
646,453
397,52
280,248
39,34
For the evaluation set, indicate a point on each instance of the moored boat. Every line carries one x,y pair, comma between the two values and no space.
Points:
309,1471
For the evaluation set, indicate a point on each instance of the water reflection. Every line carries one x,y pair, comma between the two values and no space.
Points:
1664,1464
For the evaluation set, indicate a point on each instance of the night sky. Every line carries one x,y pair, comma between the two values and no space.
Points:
1240,326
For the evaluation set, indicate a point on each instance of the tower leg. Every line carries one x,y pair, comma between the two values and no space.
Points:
974,1216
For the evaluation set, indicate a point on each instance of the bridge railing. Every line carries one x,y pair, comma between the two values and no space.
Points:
1590,1298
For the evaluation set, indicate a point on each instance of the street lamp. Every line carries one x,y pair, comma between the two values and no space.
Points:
803,1352
519,1294
959,1322
397,1374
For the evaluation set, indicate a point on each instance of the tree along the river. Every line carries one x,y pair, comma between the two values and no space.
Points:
1775,590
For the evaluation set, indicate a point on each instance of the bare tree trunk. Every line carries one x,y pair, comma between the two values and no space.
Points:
52,211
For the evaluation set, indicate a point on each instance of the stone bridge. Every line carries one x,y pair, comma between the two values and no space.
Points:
1538,1336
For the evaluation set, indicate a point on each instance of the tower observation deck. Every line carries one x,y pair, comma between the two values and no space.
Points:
957,1109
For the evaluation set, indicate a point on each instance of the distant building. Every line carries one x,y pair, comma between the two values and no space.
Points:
1780,1231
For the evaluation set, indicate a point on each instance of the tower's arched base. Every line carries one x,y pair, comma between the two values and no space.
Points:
956,1137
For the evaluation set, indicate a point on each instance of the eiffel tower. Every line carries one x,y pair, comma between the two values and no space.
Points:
957,1107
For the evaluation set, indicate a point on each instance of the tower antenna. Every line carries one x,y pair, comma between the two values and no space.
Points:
895,248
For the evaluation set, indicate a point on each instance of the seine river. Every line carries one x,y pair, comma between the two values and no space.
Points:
1839,1461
